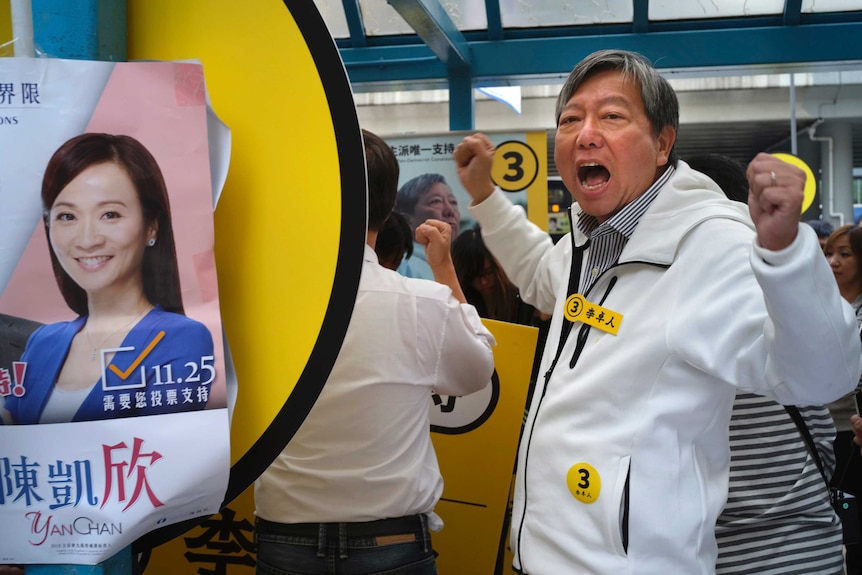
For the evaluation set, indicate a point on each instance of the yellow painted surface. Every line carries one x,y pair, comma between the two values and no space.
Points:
6,48
277,223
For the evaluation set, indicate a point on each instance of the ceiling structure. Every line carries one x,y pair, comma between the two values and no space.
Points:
461,45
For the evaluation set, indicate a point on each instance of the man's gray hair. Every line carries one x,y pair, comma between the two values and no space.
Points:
659,99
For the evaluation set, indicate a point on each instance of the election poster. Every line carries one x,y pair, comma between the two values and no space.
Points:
520,169
112,371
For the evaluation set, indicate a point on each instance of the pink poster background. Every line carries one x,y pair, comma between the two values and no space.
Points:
163,105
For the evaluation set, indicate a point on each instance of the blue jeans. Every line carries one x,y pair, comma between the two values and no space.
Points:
388,547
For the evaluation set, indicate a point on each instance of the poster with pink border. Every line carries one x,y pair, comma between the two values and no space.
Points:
112,374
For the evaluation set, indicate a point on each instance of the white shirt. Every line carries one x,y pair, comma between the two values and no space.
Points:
364,452
416,266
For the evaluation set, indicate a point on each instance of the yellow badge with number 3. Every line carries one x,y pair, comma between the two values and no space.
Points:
579,309
584,482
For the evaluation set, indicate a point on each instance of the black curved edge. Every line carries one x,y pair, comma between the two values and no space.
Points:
351,159
476,423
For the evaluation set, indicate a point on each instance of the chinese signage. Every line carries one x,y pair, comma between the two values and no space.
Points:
519,167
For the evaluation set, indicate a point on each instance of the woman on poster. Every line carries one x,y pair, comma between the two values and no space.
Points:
131,350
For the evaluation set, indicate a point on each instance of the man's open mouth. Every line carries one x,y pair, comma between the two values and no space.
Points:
593,176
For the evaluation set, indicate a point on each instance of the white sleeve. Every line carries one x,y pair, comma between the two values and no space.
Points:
465,362
790,336
811,329
527,254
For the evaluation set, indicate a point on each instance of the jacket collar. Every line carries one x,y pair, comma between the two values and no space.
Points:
686,200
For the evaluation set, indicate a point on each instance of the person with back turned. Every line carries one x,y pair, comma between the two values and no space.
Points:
354,490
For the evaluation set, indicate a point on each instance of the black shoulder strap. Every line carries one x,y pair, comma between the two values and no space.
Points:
806,437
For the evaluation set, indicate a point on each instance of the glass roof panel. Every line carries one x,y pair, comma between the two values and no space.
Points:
381,19
676,10
467,14
536,13
830,5
332,12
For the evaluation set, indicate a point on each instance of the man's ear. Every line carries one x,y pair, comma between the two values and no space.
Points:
664,144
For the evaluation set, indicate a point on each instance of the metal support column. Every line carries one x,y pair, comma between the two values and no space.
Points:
462,101
80,30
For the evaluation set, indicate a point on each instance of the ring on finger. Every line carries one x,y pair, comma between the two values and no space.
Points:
774,179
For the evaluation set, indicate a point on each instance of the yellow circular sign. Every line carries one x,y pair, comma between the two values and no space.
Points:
584,482
810,183
515,166
290,224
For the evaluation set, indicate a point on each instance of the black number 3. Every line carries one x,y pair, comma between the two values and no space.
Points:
514,165
585,479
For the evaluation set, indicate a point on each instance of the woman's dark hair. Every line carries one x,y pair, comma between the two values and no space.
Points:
469,254
394,241
160,273
854,236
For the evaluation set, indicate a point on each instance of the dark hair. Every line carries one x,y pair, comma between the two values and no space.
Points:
854,236
469,254
413,189
160,274
382,170
728,173
822,228
394,240
659,99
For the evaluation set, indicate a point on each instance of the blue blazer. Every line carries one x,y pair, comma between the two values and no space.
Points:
168,369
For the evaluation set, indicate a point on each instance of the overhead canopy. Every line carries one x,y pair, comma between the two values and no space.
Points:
459,45
404,44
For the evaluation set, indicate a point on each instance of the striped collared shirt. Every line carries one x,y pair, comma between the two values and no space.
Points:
608,239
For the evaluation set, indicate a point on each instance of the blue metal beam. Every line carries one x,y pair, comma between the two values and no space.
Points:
495,19
433,25
355,25
511,59
792,12
640,16
462,102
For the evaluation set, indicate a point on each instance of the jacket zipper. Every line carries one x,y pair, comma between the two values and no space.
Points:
579,347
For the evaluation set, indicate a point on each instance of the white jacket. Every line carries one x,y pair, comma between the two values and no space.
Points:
705,311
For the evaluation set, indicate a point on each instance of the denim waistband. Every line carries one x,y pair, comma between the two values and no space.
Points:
381,527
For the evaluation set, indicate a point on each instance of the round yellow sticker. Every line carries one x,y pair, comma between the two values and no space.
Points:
574,306
515,166
584,482
810,182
